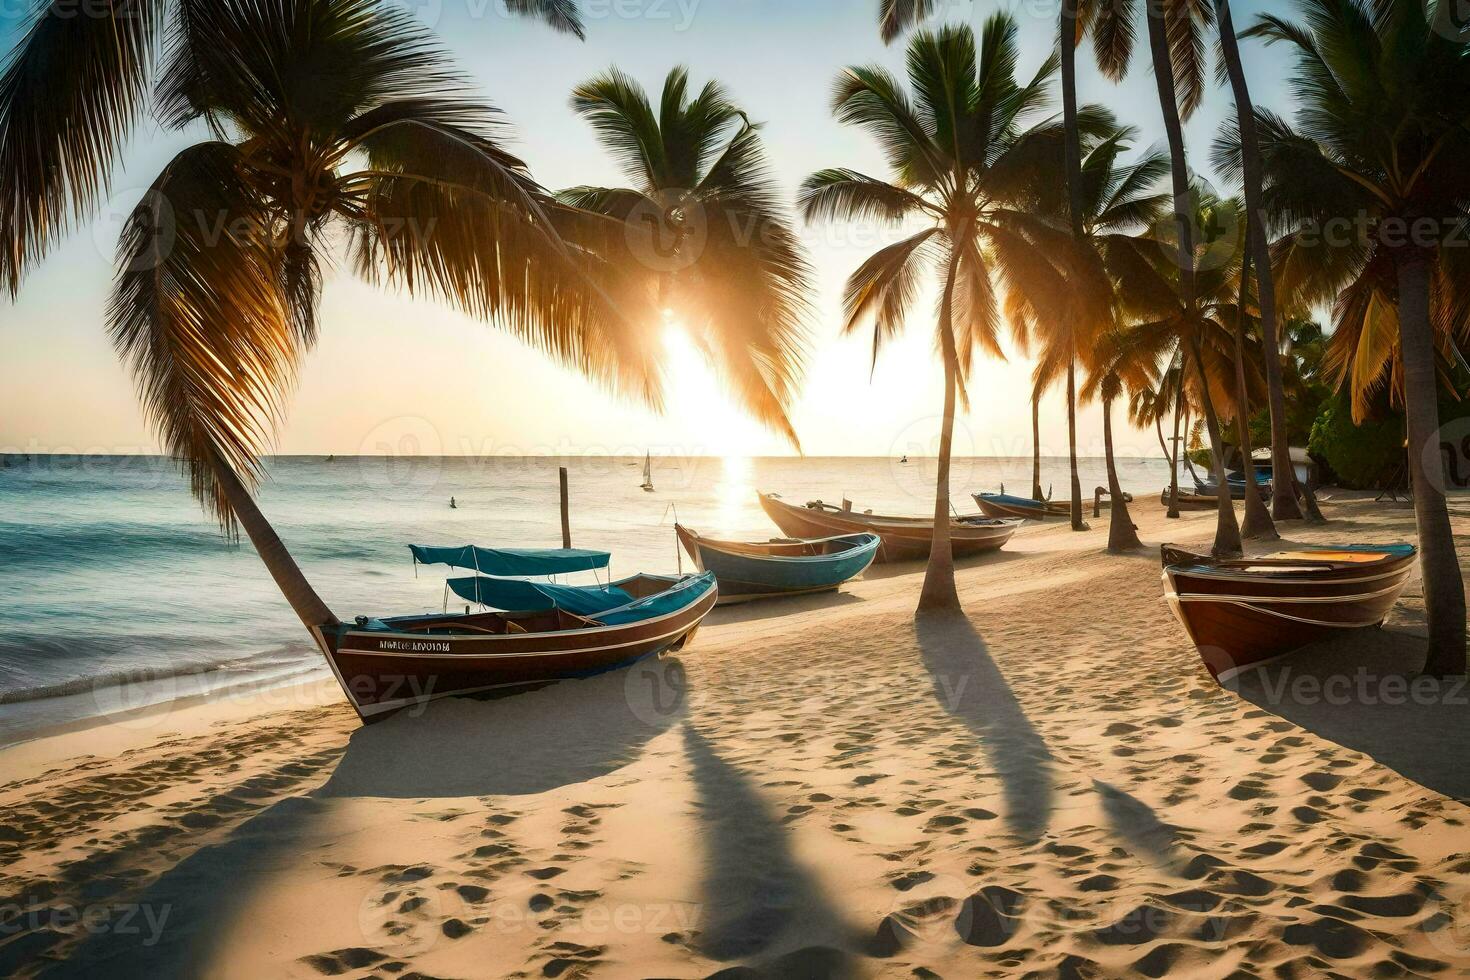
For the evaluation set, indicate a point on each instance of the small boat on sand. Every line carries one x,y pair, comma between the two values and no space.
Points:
1245,612
900,538
780,567
1191,501
1025,508
545,632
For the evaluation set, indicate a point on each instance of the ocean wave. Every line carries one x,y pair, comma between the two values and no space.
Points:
116,678
123,661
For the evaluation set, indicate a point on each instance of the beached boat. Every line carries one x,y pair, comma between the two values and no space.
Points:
1191,501
547,632
1006,505
1244,612
781,567
900,538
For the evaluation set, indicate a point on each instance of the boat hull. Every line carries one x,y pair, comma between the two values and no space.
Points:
990,506
774,569
1240,620
384,671
900,539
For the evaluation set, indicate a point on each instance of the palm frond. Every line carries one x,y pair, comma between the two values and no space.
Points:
71,91
618,110
199,314
561,15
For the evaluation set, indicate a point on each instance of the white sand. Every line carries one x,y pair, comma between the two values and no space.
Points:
1053,786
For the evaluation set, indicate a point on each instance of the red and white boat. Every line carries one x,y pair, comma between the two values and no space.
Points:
1245,612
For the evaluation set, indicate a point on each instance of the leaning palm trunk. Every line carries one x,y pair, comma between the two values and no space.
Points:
939,593
1122,534
1078,524
1067,38
1258,525
278,561
1444,589
1283,499
1036,445
1227,531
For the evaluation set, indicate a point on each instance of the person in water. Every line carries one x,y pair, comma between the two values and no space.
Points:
452,504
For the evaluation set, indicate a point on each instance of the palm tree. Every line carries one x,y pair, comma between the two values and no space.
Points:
1118,364
965,163
331,120
1382,136
1118,205
1258,524
1191,328
705,214
1283,497
1164,20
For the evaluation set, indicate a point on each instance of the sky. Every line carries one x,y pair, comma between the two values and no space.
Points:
396,375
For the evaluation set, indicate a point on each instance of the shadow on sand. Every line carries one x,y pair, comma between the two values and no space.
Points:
746,612
565,733
527,743
757,898
969,686
195,903
1362,692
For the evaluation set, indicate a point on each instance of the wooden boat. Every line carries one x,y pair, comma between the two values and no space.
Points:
385,665
1004,505
900,538
780,567
1191,501
1242,613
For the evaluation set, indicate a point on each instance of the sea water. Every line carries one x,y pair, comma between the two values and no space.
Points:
116,590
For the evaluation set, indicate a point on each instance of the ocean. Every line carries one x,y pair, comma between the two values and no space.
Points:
116,592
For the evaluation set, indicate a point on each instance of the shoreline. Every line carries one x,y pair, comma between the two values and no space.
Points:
816,786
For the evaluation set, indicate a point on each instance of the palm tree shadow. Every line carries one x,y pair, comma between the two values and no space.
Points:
564,733
1362,692
969,686
756,896
175,927
1136,822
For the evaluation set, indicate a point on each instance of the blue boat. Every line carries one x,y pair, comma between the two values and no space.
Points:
781,567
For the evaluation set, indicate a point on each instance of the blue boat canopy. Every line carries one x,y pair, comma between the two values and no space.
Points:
513,561
608,604
1014,501
520,596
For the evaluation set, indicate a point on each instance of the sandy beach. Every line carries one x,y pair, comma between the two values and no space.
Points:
1052,786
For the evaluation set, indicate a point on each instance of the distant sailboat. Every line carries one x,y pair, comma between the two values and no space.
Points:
648,472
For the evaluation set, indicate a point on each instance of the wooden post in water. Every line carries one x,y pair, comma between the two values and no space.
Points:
566,516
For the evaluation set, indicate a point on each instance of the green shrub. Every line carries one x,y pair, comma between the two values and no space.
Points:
1363,457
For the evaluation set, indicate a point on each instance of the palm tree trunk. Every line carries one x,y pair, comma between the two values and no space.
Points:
1227,531
939,594
1078,524
1122,534
1036,444
1444,589
1283,497
1174,453
278,561
1067,41
1258,525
